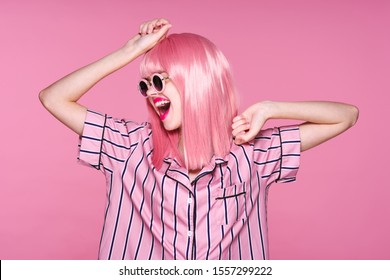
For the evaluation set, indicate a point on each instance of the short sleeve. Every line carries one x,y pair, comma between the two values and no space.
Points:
107,141
277,153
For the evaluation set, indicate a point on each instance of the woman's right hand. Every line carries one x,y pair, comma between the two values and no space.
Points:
60,98
150,34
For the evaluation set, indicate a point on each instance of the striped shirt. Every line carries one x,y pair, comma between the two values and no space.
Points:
160,214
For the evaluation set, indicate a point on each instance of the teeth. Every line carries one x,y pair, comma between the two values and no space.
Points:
162,103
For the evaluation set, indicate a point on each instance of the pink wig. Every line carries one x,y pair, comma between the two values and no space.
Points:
202,75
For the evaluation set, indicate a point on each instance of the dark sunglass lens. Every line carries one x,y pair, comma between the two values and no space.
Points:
157,83
143,87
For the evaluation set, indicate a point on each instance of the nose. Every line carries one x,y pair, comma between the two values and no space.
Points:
151,92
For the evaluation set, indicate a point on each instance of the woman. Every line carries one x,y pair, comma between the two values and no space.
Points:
196,187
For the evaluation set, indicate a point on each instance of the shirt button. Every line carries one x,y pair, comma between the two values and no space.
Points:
189,200
189,233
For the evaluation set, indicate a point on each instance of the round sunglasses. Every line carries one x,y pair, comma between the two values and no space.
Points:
157,82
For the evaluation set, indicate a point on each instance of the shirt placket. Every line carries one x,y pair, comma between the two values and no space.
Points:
180,175
191,225
198,189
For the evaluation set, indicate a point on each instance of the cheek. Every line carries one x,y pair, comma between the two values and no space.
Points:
176,121
179,113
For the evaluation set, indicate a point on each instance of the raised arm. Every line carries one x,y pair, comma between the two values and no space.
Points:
322,120
60,98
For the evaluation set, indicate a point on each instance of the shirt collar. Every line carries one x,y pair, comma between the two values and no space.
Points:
215,160
177,172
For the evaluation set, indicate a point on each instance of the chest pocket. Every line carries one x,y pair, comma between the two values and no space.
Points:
230,204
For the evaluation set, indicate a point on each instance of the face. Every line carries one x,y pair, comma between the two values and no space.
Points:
166,102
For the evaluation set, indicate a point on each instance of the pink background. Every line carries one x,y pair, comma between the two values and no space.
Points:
51,207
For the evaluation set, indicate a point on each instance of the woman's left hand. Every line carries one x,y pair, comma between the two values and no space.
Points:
323,120
248,124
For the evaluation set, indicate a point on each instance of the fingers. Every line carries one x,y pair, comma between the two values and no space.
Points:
240,125
241,129
239,120
245,136
245,130
153,26
150,33
238,117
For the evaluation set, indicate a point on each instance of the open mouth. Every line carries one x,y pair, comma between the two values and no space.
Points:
162,105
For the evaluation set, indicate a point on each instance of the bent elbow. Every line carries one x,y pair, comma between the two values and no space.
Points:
41,96
354,115
46,99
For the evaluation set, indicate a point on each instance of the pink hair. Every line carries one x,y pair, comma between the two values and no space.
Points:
203,78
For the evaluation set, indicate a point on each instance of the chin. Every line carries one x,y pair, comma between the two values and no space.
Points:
171,127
